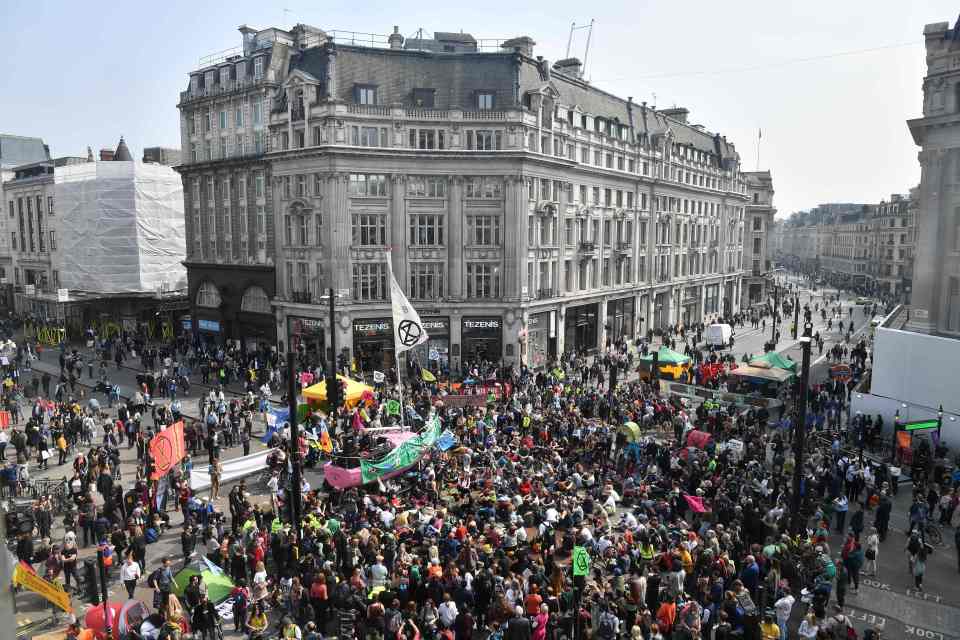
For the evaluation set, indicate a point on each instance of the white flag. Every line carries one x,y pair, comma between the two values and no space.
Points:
408,331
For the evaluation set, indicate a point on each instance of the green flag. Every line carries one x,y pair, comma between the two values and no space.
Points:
393,407
402,456
581,561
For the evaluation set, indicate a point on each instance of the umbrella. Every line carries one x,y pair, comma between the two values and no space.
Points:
774,359
219,584
771,374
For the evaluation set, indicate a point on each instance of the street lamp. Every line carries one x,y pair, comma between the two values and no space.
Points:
939,422
800,430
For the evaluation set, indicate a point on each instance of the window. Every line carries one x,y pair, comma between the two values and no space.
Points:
423,98
301,186
317,184
426,139
484,140
258,67
238,146
261,220
366,136
368,185
426,230
13,240
223,119
365,94
286,187
370,281
485,188
223,148
238,117
426,280
426,187
486,100
583,194
208,296
596,195
757,223
486,230
757,243
483,280
257,112
208,121
255,300
318,218
317,136
258,185
584,155
369,229
303,225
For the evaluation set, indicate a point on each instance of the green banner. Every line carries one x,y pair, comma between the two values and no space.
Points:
402,456
581,561
921,425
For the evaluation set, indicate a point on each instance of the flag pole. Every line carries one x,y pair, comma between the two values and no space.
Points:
759,136
396,351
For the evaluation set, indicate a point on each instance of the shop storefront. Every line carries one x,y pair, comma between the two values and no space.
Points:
580,328
482,338
308,339
373,344
690,303
620,319
541,339
434,354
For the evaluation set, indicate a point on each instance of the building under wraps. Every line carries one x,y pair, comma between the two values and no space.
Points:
122,227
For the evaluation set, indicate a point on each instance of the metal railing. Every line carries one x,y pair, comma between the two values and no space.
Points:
544,294
587,247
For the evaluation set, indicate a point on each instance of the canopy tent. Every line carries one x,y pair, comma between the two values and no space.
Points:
219,584
768,374
666,356
355,391
774,359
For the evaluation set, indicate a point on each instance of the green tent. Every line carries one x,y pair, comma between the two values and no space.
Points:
219,584
666,356
774,359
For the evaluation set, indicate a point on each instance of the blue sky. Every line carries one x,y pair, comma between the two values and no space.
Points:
80,74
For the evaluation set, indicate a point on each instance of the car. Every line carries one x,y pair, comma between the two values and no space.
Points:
861,301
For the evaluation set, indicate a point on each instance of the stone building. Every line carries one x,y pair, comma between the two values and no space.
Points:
894,228
935,298
758,246
527,213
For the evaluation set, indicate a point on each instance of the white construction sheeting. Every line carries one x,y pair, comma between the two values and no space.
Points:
120,227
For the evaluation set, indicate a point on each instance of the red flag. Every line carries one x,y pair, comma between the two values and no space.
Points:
4,419
696,503
167,449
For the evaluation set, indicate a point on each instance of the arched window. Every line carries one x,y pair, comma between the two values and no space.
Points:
255,300
208,296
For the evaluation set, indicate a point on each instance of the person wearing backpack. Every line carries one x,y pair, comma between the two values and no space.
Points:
608,626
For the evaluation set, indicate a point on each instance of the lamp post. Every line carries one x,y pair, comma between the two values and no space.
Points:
800,431
896,428
295,481
796,315
939,423
773,324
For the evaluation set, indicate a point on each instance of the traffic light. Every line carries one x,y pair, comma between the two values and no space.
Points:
333,394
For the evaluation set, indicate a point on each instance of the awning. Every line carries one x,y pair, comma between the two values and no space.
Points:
771,374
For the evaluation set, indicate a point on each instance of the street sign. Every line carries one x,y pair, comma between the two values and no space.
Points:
920,425
581,561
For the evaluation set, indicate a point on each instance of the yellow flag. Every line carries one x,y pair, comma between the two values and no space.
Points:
427,376
325,444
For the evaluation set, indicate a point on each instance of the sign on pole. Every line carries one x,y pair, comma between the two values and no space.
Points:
581,561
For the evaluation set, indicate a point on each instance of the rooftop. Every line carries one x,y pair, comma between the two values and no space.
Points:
19,150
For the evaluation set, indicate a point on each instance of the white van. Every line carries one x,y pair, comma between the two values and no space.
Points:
718,335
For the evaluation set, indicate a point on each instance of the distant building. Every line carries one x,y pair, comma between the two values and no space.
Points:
162,155
758,224
14,151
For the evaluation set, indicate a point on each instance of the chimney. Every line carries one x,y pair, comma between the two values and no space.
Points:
395,39
522,44
106,155
677,113
249,36
570,66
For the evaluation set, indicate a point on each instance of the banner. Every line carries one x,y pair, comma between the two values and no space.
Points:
695,503
232,470
4,419
903,439
427,375
51,591
167,448
393,407
403,456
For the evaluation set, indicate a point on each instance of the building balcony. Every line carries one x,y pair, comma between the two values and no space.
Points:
624,246
587,247
546,294
301,297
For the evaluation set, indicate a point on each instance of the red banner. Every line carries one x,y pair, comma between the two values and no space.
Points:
4,419
167,449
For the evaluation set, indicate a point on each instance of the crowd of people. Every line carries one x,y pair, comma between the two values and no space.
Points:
687,524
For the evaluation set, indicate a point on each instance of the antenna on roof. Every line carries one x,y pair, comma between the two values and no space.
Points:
574,27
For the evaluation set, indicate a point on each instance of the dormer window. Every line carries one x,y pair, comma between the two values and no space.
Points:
365,94
423,98
208,80
224,76
486,100
258,67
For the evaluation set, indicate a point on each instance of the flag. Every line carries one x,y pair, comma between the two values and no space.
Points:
325,444
393,407
167,448
427,376
408,330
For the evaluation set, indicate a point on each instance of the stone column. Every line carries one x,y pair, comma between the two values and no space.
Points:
564,198
338,213
398,228
515,240
455,238
602,322
924,298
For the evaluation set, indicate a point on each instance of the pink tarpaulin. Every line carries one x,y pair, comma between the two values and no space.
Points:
698,439
695,503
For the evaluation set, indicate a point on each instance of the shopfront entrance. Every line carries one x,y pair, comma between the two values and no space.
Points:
661,310
482,338
434,354
580,328
541,339
373,344
691,306
308,340
620,319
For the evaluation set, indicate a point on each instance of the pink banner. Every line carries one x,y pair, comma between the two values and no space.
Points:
695,503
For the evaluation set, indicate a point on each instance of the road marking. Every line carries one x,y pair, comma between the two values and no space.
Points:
870,618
